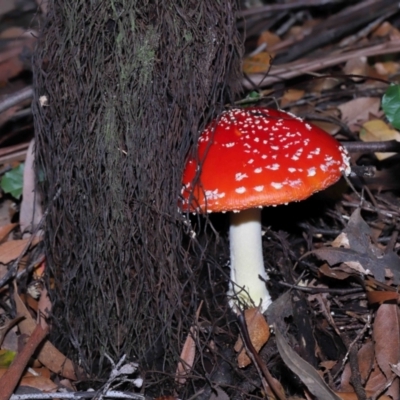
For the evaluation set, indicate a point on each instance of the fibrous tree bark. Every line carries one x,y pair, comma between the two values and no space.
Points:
122,89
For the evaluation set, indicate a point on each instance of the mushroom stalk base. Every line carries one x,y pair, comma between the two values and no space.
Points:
247,259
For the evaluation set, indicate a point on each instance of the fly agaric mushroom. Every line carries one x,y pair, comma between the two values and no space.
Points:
255,157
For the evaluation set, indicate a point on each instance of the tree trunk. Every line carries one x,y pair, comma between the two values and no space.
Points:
128,85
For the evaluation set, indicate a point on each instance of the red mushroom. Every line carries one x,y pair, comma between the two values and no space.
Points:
255,157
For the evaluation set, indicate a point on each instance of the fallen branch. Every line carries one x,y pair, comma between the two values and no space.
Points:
112,394
10,379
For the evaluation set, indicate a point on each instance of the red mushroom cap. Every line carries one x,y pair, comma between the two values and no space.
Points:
258,157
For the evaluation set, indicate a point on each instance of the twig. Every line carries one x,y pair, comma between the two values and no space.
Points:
382,388
285,7
14,98
355,378
302,66
13,153
119,373
322,290
351,346
112,394
337,26
372,147
259,363
359,335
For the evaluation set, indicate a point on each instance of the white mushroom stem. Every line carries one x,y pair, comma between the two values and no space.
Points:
247,258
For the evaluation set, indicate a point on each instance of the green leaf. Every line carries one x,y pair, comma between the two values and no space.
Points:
13,181
391,105
6,358
254,95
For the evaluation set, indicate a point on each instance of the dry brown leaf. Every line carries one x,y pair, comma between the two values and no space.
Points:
377,130
386,29
329,127
290,96
386,334
187,357
44,308
396,368
11,64
39,382
357,66
387,68
257,63
386,337
356,112
6,230
335,273
362,256
306,372
39,371
269,38
365,357
320,85
376,380
188,353
380,297
11,250
68,384
353,396
329,364
49,356
258,332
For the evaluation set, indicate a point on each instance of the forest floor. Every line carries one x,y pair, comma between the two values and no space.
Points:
332,260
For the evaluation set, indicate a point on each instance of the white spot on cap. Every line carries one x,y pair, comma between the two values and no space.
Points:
346,161
240,176
258,170
311,171
240,190
230,144
297,182
316,151
276,185
273,167
259,188
291,170
214,195
250,161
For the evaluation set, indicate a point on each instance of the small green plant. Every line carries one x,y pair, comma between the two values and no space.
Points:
13,181
391,105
